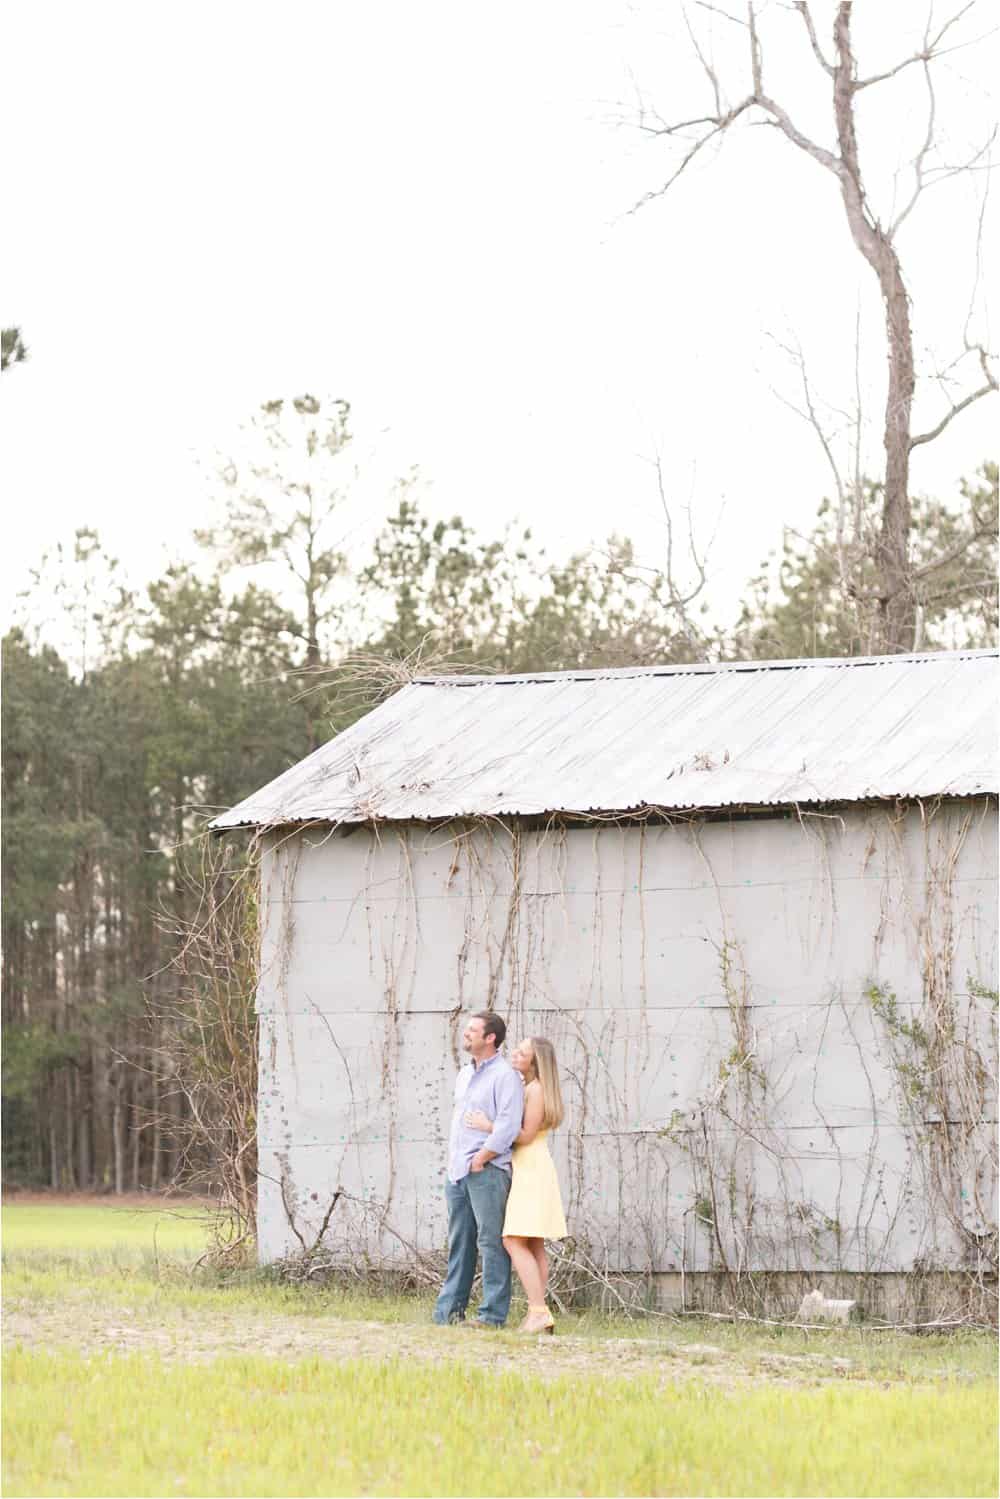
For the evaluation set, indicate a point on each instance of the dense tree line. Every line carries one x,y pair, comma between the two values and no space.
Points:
161,707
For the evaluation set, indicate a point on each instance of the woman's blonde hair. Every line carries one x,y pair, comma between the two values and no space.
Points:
547,1072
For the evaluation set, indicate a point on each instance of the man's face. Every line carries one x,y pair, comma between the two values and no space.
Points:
475,1042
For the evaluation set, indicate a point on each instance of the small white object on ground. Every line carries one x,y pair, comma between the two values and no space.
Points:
818,1308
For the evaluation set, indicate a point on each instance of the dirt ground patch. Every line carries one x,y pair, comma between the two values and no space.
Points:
159,1202
193,1336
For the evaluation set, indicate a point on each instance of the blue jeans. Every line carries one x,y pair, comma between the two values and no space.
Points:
476,1207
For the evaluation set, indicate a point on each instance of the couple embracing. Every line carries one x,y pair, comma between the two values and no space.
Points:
502,1191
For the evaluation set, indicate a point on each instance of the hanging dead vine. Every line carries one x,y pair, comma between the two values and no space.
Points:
708,1139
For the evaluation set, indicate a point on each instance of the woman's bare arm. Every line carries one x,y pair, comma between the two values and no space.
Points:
534,1112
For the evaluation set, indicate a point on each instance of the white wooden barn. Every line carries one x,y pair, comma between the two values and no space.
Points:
754,906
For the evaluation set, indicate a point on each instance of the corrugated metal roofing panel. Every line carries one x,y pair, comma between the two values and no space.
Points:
677,737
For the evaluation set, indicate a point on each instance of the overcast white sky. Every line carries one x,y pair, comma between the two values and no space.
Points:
424,208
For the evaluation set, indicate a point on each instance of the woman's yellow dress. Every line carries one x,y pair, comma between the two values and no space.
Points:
534,1206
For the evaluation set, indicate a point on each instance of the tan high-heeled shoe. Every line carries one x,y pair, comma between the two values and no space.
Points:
539,1319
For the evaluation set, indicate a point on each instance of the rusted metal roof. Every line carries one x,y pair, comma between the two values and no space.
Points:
778,733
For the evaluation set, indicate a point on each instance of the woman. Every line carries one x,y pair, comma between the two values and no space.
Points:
534,1207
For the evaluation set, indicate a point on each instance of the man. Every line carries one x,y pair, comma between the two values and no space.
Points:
479,1176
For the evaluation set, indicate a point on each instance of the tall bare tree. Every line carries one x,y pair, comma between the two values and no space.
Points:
894,597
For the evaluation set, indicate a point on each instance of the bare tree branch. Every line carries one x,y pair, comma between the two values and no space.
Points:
810,414
721,121
784,123
859,496
780,115
678,599
932,48
990,384
952,555
682,125
942,173
977,277
803,9
756,56
920,158
718,11
706,65
718,128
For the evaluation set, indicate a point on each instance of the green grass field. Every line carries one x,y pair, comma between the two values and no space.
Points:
249,1426
126,1373
68,1228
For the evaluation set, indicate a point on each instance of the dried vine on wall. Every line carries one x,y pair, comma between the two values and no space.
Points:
717,1184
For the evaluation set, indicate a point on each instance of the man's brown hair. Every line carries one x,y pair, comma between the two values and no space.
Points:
492,1026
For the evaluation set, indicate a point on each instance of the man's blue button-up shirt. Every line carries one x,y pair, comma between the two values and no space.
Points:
497,1089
